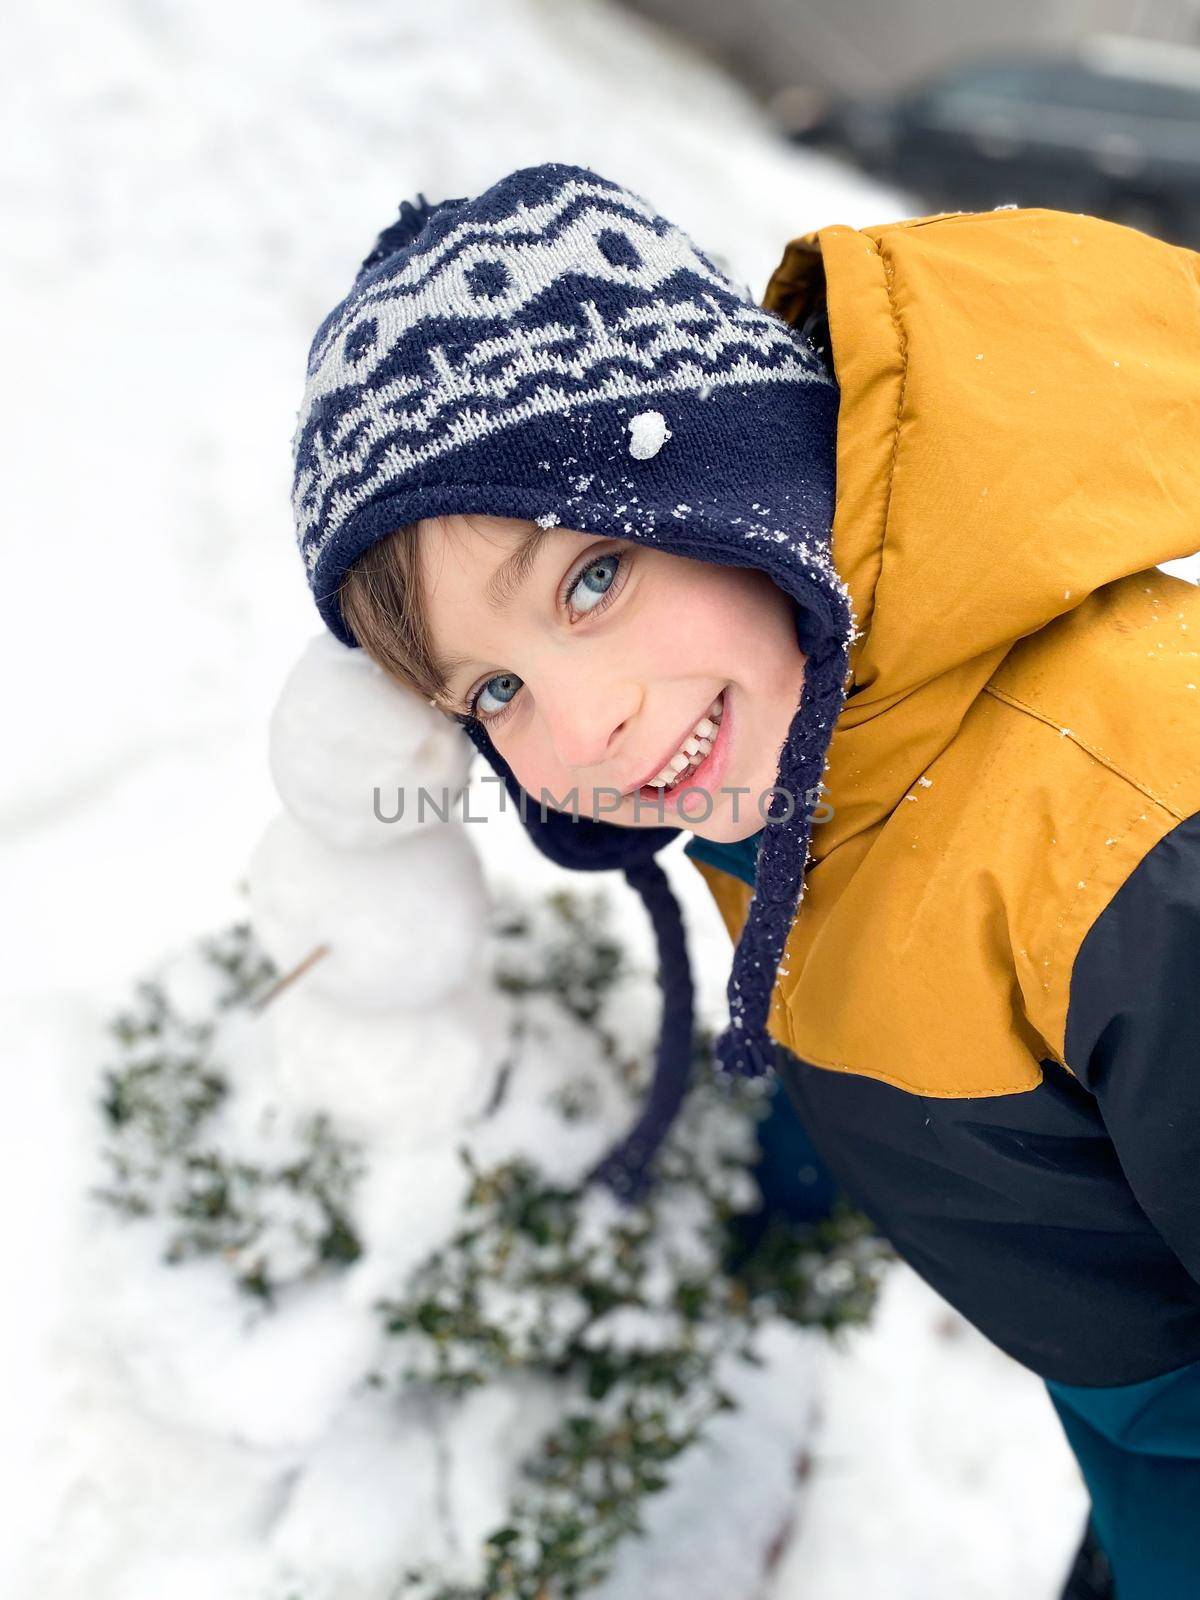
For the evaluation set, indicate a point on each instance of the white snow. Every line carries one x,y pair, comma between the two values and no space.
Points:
939,1468
186,192
648,432
401,925
349,748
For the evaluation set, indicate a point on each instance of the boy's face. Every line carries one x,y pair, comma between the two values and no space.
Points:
602,661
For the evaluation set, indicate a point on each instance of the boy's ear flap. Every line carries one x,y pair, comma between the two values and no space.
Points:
809,631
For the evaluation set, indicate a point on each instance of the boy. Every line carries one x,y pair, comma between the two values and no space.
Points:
888,542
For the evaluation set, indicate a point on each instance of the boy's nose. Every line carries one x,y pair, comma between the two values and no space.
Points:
587,724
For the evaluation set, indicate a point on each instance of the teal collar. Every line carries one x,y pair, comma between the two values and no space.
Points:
740,858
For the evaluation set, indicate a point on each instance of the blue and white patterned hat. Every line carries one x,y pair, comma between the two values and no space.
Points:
555,350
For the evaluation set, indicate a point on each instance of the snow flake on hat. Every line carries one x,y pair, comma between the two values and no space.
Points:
648,432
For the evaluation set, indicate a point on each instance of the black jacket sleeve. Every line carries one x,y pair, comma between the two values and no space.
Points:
1133,1033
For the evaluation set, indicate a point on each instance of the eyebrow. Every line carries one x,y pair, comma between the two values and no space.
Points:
511,574
500,588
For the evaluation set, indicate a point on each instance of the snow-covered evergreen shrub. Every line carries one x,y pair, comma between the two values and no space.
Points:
629,1322
275,1218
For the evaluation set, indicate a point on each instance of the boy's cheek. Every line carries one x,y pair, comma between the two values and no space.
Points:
538,777
606,801
534,762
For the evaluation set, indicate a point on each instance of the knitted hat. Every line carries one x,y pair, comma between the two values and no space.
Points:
554,350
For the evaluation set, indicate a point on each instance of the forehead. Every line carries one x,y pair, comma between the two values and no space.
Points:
472,559
469,541
467,526
488,555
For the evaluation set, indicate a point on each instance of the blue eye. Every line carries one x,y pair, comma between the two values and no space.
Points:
502,678
599,593
610,562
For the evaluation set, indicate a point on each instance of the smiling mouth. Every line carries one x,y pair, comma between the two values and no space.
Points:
693,752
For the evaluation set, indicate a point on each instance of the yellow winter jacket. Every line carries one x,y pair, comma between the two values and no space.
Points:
1018,447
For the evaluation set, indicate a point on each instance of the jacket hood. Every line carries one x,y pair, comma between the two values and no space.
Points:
1019,425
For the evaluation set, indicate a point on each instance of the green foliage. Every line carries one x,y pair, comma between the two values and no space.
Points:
274,1221
637,1315
575,961
637,1311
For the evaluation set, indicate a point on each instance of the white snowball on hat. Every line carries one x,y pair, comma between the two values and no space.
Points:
343,728
404,926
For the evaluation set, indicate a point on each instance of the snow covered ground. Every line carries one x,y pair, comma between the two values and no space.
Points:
186,190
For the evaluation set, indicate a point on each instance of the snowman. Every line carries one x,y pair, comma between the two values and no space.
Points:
369,897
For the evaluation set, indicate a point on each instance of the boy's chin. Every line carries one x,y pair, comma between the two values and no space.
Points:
725,830
721,827
718,828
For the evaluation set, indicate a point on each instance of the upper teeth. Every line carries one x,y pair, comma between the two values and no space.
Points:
694,748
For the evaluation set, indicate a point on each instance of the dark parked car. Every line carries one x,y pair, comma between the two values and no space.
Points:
1112,128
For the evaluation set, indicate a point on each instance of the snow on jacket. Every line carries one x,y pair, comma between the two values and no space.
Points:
990,995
